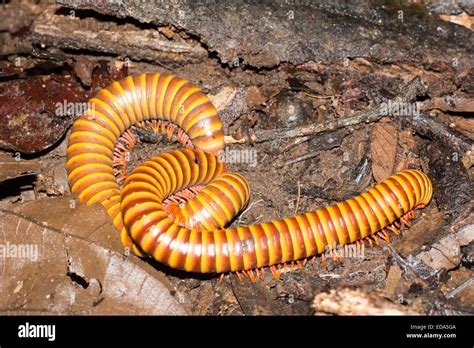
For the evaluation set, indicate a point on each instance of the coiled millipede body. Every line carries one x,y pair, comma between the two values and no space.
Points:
175,206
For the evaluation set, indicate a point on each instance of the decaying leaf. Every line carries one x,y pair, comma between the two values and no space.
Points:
34,111
447,253
62,257
14,167
421,232
460,287
356,302
383,149
83,69
393,278
407,156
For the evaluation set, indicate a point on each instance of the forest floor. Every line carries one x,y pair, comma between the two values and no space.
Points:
317,115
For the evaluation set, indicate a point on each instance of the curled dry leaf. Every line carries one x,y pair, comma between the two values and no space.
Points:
383,149
61,257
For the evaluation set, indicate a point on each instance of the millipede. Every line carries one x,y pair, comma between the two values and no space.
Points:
176,206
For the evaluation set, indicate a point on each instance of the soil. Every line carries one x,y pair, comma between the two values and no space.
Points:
265,68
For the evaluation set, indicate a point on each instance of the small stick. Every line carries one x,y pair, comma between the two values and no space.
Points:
302,158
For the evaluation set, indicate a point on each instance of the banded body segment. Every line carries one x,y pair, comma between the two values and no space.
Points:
118,107
245,248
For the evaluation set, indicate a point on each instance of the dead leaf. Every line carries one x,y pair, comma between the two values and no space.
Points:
255,97
407,153
204,299
463,19
83,69
383,149
447,253
393,279
356,302
460,287
223,98
421,232
35,111
14,167
72,262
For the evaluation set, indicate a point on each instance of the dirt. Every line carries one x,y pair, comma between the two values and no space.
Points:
259,79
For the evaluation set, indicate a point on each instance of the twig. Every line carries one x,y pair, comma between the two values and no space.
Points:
295,143
460,288
409,93
432,129
302,158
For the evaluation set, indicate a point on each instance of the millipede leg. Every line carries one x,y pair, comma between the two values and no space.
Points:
257,273
238,275
273,271
221,278
251,275
376,239
405,221
370,242
129,139
382,234
393,229
170,130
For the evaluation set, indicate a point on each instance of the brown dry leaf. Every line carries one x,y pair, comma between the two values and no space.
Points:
13,167
462,19
407,156
447,252
421,232
460,287
383,149
356,302
223,98
35,111
393,279
61,257
83,69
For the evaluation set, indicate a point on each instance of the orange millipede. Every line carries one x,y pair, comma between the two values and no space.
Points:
175,206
